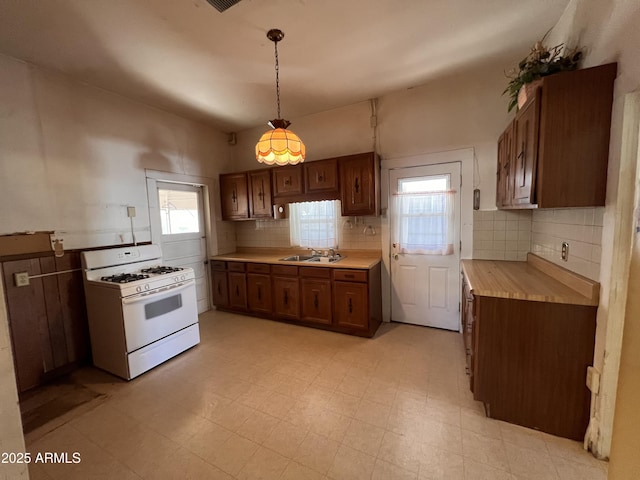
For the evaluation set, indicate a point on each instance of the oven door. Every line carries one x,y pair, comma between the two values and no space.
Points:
159,313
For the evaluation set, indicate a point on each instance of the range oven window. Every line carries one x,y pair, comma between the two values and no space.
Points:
160,307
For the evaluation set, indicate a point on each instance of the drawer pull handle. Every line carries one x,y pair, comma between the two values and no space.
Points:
350,306
237,290
286,298
348,276
259,294
219,290
467,371
315,300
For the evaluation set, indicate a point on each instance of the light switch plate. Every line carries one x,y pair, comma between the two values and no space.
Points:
131,212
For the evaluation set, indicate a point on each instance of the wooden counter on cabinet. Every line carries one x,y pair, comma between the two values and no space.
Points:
529,334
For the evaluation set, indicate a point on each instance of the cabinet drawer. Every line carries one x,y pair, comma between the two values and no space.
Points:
218,265
236,266
314,272
286,270
350,275
258,268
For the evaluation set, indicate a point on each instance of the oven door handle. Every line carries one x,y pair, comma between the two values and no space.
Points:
141,297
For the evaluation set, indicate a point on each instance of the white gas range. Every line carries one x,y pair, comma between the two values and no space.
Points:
141,313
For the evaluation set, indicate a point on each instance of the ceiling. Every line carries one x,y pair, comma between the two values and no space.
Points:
186,57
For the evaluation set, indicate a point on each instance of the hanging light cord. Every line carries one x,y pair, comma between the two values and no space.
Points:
277,78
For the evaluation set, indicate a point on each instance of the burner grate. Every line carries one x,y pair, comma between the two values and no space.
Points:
124,277
161,270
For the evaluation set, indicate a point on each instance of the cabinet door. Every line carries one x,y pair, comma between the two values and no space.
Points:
321,176
504,190
259,292
219,288
358,185
286,297
526,152
351,305
287,181
316,300
260,203
234,196
238,290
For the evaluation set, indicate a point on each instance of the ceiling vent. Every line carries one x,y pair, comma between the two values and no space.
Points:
222,5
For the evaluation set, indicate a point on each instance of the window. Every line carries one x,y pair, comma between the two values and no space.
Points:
425,215
178,211
314,224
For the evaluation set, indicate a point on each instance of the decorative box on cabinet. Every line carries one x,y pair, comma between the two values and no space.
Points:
556,152
359,184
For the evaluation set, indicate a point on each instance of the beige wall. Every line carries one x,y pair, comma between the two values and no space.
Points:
625,461
72,157
608,30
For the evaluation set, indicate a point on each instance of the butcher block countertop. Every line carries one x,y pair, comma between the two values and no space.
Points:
360,259
536,280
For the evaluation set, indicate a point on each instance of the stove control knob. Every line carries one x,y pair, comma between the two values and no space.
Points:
146,287
176,279
138,288
181,277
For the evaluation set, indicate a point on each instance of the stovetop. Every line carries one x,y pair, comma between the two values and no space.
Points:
161,269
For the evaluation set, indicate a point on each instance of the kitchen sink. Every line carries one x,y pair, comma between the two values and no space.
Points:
297,258
311,258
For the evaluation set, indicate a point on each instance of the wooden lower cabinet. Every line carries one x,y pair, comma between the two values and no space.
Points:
316,295
259,293
529,360
219,284
47,319
350,305
238,290
342,300
286,297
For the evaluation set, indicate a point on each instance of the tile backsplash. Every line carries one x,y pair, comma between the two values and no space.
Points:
361,233
581,228
510,234
501,234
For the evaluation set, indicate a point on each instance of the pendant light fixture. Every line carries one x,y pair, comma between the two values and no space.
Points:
279,146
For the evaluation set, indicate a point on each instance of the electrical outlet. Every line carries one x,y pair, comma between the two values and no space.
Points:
565,251
21,279
593,379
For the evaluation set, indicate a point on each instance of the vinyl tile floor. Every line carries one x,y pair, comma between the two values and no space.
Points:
258,399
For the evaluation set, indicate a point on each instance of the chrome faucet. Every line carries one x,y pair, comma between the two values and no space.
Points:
332,253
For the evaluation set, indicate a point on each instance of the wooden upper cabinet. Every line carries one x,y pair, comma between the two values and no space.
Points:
505,162
287,181
321,176
525,152
560,145
359,184
234,196
260,202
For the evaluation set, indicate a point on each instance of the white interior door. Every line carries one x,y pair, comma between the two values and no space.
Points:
183,238
424,210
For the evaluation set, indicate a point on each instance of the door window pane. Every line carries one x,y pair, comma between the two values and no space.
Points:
178,211
424,215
